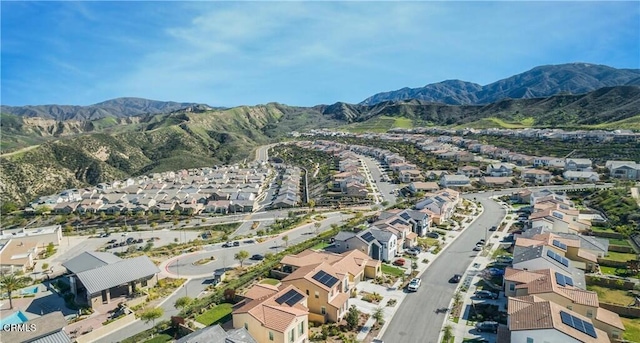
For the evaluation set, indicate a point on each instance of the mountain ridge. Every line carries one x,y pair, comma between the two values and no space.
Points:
540,81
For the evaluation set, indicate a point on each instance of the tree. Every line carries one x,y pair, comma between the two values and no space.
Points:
50,249
150,315
11,283
317,225
352,317
8,207
285,239
183,302
241,256
378,315
447,334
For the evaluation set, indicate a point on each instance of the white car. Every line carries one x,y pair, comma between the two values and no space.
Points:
414,285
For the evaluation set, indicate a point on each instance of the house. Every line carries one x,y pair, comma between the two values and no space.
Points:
47,328
499,170
271,314
537,176
355,263
416,187
420,221
355,189
379,244
496,181
410,175
563,245
470,171
98,277
578,164
557,287
17,255
325,288
216,333
533,319
440,205
585,176
42,236
551,162
454,181
626,170
542,257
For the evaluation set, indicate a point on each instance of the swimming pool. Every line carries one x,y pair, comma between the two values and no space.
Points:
14,318
29,290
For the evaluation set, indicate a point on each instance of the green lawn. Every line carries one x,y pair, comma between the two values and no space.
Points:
320,246
392,270
161,338
620,256
632,328
615,241
612,296
602,229
218,314
272,282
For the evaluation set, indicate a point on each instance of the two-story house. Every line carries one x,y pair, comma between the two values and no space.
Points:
272,314
325,288
499,169
537,176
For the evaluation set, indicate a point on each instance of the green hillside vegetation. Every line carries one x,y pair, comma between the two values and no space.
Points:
154,144
619,206
493,122
380,124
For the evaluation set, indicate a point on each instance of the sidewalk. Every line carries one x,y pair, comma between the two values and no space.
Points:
397,293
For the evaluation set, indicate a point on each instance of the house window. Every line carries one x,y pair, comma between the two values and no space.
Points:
270,336
246,326
529,340
615,334
589,314
570,307
512,287
292,335
144,283
301,328
317,295
307,292
323,310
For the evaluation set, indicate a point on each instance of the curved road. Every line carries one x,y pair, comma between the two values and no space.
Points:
183,265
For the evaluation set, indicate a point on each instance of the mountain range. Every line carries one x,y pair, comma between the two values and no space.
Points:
51,147
120,107
542,81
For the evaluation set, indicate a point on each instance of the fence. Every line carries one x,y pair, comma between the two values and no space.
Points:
622,248
624,311
609,282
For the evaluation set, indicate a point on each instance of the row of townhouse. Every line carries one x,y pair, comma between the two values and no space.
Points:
554,212
396,230
548,300
349,180
575,169
289,191
222,190
315,287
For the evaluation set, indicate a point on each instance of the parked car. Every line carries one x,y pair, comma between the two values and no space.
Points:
227,245
477,248
122,244
414,285
139,240
399,262
504,259
487,326
105,234
257,257
412,252
455,278
432,234
486,295
236,244
493,228
112,241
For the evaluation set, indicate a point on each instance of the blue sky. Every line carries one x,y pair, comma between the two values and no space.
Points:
297,53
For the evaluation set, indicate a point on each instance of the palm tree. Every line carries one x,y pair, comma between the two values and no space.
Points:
11,283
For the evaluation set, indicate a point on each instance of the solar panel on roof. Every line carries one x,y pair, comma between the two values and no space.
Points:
368,237
558,258
325,279
563,280
578,324
290,298
405,215
559,244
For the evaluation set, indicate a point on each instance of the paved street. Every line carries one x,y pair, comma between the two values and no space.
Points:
385,188
416,320
183,265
